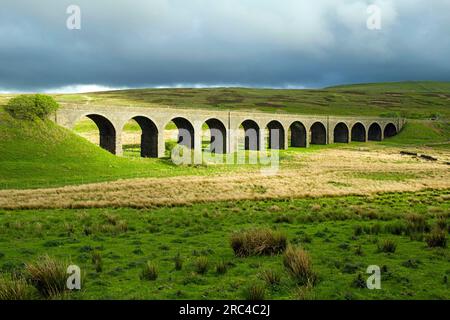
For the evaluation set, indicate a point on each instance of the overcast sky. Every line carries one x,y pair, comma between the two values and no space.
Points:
268,43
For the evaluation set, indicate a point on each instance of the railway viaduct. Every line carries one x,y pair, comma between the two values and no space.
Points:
262,130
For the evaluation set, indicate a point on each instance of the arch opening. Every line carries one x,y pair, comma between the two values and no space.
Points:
184,132
390,130
340,133
251,135
297,135
358,132
375,132
318,133
99,130
276,135
216,137
146,143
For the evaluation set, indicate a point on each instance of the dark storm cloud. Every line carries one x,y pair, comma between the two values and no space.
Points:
139,43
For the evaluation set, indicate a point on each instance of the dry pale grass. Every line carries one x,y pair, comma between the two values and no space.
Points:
328,173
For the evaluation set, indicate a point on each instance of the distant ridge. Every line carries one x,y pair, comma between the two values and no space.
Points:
401,87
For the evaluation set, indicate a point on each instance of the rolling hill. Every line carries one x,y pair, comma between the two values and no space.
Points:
414,100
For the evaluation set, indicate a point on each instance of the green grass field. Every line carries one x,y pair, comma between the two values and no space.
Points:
342,234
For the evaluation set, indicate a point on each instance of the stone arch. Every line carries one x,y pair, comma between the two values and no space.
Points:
252,135
390,130
149,137
218,141
276,135
106,130
185,132
340,133
375,133
359,132
298,134
318,133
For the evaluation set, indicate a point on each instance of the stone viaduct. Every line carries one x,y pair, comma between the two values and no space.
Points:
302,130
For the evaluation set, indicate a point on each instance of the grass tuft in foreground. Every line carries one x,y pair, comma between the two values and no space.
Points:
258,242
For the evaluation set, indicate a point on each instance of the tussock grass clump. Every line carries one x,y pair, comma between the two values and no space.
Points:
255,292
436,238
271,277
15,289
48,276
178,261
441,223
221,267
111,219
97,261
359,251
258,242
359,282
149,272
387,245
305,293
122,226
201,265
283,219
358,230
396,228
299,265
416,223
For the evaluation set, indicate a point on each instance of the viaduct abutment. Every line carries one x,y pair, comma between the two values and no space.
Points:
261,130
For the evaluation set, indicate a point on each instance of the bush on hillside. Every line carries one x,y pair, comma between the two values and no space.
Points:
30,107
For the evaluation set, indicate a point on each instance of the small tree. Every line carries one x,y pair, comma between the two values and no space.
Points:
30,107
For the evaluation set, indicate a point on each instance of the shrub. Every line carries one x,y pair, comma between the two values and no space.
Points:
221,267
149,272
271,277
30,107
387,245
436,238
201,265
15,289
255,292
48,276
299,265
258,242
